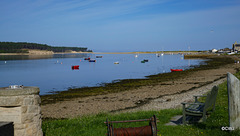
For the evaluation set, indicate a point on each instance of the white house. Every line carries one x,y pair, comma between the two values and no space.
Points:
214,50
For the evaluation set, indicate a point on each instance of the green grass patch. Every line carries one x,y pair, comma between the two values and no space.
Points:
93,125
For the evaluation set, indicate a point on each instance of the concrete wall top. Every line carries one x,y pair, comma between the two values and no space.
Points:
25,90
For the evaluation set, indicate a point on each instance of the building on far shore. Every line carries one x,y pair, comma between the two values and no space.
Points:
225,50
214,50
236,47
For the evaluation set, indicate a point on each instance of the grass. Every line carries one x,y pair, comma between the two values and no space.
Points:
127,84
93,125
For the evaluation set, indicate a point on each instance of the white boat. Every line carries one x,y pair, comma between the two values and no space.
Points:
231,53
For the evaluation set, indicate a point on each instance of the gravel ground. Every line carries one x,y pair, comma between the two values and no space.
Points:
175,100
165,95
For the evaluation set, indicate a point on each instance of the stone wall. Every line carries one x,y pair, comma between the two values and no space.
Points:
22,107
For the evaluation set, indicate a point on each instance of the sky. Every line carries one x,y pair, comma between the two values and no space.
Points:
122,25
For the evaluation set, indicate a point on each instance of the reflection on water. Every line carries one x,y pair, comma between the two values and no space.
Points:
55,73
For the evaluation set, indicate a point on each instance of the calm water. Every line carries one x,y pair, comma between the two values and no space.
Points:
54,73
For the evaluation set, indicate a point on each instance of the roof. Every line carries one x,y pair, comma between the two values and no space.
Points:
238,45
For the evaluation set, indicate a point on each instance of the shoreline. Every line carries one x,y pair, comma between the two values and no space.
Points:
40,52
142,98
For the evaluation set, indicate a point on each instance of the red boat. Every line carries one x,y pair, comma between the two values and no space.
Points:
75,67
173,70
86,58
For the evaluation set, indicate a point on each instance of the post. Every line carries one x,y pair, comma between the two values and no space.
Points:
21,105
233,86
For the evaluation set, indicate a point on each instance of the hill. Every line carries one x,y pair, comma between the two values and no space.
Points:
24,47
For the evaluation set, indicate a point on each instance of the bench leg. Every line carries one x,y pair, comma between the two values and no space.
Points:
184,115
184,119
204,117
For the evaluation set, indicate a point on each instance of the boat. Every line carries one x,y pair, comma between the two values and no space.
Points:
116,62
92,60
143,61
98,56
146,60
87,58
173,70
75,67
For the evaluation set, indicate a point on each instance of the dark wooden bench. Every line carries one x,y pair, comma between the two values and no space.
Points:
201,109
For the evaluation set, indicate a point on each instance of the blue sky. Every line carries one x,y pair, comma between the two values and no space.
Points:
122,25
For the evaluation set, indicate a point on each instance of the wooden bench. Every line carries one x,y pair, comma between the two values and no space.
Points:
201,109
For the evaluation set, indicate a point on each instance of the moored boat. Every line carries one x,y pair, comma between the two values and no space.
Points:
98,56
116,62
146,60
173,70
87,58
75,67
92,60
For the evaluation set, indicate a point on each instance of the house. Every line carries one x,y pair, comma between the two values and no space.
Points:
225,50
214,50
236,47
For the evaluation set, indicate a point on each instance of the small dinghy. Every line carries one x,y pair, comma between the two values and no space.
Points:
146,60
91,60
75,67
116,62
174,70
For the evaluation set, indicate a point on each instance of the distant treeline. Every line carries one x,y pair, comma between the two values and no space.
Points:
21,47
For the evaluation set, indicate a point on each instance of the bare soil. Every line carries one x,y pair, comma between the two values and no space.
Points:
167,94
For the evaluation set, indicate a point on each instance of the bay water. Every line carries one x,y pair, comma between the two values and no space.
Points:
54,72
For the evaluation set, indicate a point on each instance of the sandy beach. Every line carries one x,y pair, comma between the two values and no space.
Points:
164,95
45,52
